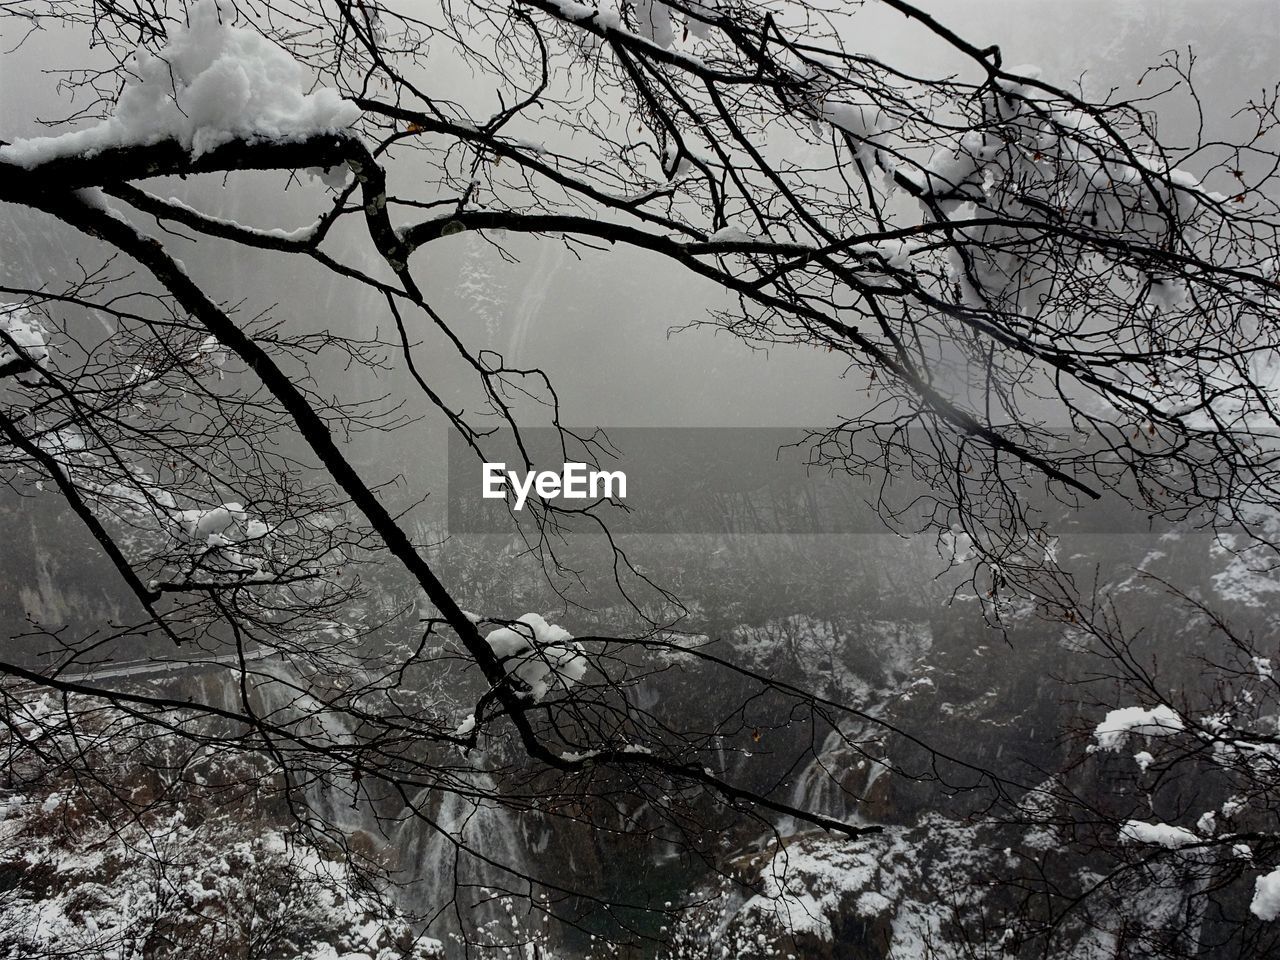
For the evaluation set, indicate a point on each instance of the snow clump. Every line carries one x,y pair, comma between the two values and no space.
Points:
540,654
1118,725
212,83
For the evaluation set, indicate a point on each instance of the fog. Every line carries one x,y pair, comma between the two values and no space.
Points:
887,626
601,324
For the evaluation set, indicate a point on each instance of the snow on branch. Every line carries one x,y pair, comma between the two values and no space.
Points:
22,336
1266,896
538,654
1119,725
212,83
1157,834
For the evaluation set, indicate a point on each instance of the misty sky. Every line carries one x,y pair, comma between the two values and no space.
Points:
599,325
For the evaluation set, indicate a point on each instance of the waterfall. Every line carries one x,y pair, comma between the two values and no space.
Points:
843,771
447,843
459,848
330,794
322,789
818,787
835,780
551,257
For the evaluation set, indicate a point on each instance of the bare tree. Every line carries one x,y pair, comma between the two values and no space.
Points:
1165,810
1037,291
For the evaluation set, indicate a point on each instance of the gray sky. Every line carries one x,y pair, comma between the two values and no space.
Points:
599,325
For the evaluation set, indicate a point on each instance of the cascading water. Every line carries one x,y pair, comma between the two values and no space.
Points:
820,786
842,772
454,851
278,695
837,779
458,857
551,258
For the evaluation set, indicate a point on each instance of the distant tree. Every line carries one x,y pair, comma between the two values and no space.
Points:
189,875
1037,291
1163,819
